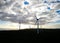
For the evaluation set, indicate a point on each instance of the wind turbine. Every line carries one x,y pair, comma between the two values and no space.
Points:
37,21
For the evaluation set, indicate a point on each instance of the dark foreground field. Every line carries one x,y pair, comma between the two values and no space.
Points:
30,34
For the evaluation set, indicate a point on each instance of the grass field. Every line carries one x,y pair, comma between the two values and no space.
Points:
30,34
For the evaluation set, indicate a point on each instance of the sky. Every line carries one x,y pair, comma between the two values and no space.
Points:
26,12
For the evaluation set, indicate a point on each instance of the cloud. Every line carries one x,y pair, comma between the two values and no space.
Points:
28,18
57,6
14,18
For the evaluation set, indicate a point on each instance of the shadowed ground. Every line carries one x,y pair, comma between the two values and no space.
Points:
30,34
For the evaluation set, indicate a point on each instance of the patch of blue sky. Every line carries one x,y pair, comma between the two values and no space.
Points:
58,11
56,22
3,22
47,2
48,8
51,2
26,3
58,1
